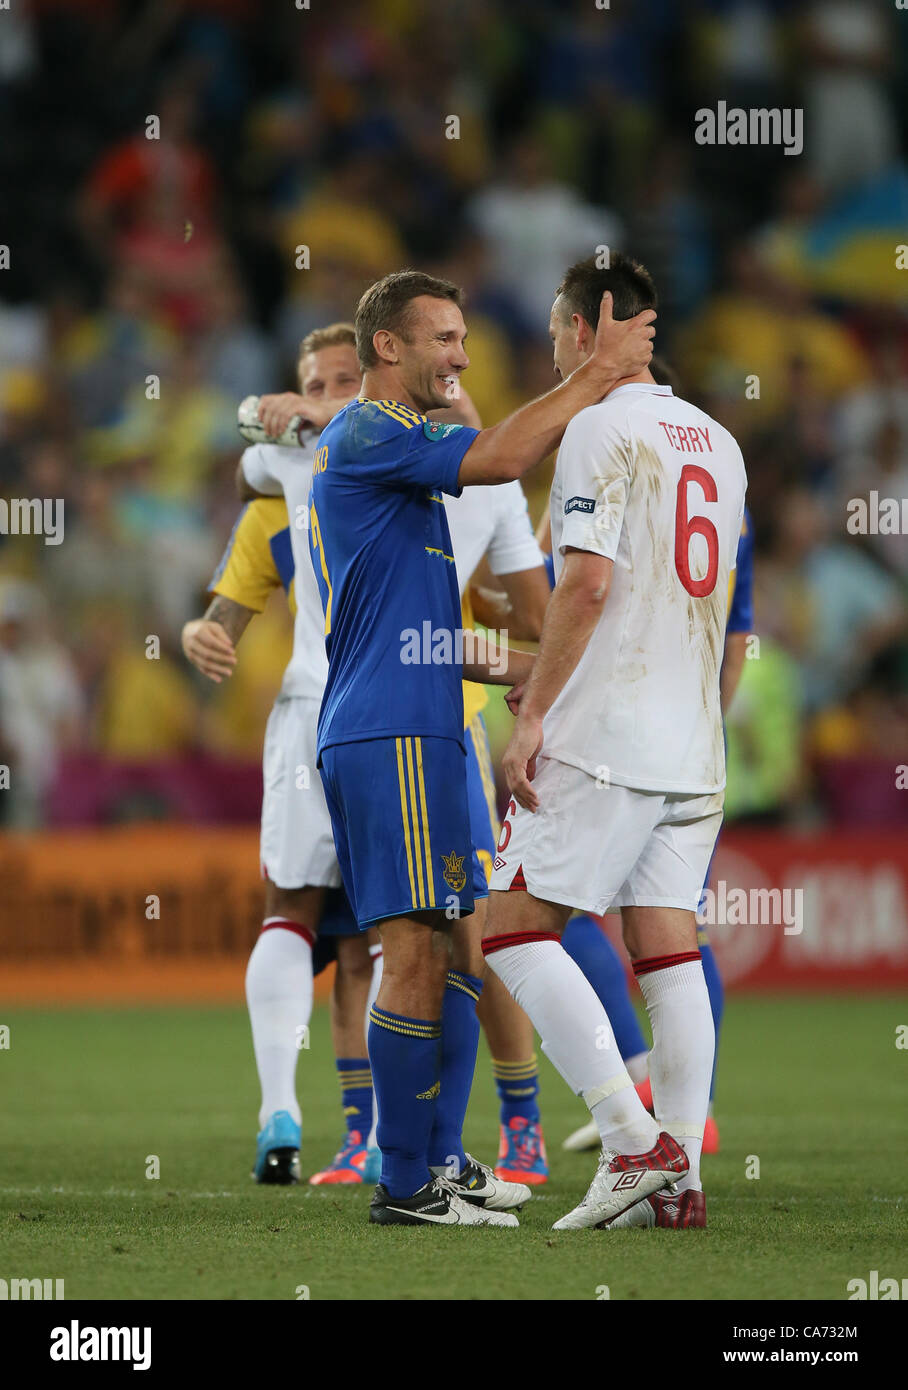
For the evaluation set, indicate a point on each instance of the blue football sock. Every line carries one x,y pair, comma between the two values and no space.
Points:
587,944
406,1061
355,1076
716,997
459,1043
517,1084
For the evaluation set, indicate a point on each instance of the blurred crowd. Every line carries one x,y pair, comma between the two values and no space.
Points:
189,186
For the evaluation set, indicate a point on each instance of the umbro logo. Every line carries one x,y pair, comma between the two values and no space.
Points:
499,863
627,1180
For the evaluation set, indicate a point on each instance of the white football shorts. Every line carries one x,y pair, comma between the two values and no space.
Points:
297,843
592,847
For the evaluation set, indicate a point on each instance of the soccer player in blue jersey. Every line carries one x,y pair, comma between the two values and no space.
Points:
390,738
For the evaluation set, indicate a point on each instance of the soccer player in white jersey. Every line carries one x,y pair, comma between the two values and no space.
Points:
298,856
616,765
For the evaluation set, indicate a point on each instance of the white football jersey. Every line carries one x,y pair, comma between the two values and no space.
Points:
273,469
492,520
652,483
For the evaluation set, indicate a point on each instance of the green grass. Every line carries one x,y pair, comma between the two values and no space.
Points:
813,1087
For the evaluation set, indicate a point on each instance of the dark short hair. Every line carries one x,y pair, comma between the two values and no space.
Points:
664,375
630,283
386,304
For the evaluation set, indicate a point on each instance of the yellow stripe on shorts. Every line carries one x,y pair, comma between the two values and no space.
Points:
417,843
430,877
403,812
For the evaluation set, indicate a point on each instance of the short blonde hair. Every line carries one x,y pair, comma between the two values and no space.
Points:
335,335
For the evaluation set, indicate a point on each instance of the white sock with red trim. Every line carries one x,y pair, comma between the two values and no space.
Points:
279,997
576,1034
684,1039
376,954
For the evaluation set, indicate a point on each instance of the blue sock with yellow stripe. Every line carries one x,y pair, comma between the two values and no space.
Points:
355,1077
517,1084
459,1045
406,1064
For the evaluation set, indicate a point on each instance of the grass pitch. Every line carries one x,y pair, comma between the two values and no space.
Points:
813,1088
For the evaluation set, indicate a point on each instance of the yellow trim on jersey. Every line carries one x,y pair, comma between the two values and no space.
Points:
433,550
248,573
403,811
320,545
396,410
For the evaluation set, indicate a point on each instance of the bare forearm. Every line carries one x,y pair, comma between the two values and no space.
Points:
500,665
233,617
569,624
528,593
509,449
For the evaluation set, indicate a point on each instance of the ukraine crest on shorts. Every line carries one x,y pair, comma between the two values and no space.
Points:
454,875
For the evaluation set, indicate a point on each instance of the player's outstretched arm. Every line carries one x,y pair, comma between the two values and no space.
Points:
623,348
516,601
573,612
210,642
501,665
528,593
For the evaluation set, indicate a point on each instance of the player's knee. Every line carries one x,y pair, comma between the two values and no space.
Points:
353,959
296,904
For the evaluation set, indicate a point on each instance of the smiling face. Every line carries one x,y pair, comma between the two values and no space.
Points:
330,374
571,338
428,355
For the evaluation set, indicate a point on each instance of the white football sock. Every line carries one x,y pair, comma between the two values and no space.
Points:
279,996
376,953
577,1037
637,1068
681,1062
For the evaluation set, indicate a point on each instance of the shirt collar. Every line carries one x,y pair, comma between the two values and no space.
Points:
651,389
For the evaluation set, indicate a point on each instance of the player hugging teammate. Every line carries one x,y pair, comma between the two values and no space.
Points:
616,765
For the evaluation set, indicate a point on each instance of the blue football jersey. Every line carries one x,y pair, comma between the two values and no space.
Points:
741,598
382,555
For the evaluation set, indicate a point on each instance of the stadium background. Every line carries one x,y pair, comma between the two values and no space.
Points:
176,259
